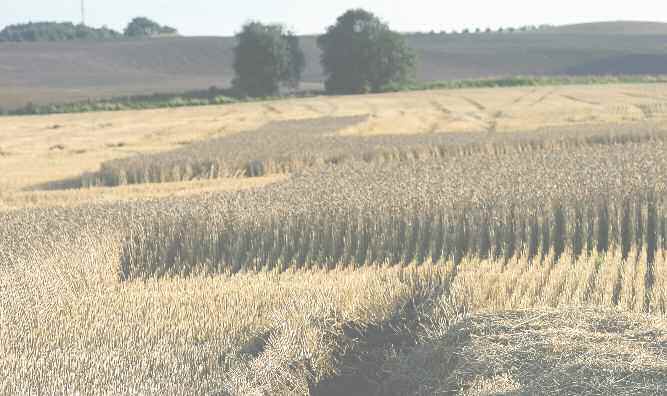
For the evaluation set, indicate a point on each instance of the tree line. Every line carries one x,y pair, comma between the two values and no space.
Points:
65,31
360,54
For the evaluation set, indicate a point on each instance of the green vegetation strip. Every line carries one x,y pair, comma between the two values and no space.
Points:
528,81
215,96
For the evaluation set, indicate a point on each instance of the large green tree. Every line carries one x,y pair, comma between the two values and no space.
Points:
360,53
266,57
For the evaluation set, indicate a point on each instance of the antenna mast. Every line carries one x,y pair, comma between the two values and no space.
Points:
83,12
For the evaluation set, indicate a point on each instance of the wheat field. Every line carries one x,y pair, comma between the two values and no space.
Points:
41,149
477,242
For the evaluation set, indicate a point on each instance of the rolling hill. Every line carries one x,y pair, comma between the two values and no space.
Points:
613,27
71,71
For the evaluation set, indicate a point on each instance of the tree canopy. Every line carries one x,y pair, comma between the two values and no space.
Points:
144,27
66,31
361,54
55,31
266,57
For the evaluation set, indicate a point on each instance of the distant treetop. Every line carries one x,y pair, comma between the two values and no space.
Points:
360,53
55,31
66,31
266,57
144,27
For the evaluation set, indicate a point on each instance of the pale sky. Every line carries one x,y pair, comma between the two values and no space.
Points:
224,17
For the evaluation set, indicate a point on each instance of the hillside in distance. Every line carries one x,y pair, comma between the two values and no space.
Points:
612,27
70,71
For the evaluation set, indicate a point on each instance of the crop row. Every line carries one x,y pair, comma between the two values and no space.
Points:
568,200
537,203
548,210
289,146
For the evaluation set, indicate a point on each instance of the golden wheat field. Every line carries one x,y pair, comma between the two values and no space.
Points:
473,242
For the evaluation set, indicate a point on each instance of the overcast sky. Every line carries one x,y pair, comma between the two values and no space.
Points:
224,17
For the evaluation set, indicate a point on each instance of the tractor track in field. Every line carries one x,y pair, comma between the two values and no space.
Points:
579,100
543,97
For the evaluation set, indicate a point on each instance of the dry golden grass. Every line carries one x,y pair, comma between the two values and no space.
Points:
72,324
396,298
395,331
567,351
40,149
291,146
37,199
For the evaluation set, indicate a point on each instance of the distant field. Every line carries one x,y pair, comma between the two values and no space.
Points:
71,71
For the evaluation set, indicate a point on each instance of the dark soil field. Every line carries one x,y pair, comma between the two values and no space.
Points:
70,71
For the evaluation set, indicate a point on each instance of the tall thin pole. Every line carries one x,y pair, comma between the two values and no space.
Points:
83,12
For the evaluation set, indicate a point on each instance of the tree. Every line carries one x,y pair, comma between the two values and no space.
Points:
361,54
266,57
55,31
144,27
296,61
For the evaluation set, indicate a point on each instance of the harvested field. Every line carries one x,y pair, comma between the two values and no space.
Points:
326,332
486,205
38,150
66,198
464,262
289,146
540,351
